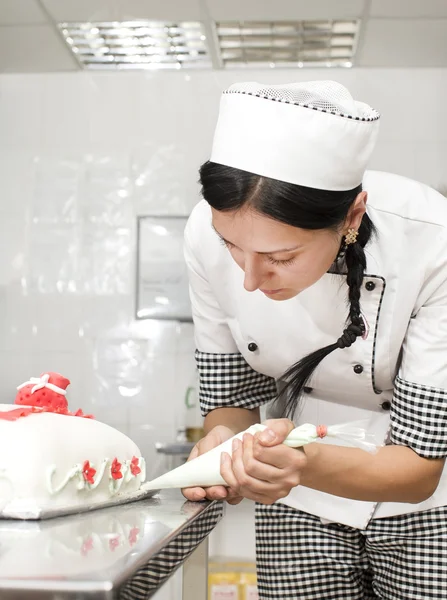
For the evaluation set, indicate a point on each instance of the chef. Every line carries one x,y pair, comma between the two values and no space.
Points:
319,290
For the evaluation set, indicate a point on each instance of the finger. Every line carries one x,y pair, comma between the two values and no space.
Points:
276,432
216,492
194,494
282,457
255,468
233,493
204,445
266,499
237,462
208,443
249,486
226,470
194,453
235,500
234,497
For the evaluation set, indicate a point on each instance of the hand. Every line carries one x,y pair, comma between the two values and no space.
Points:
215,437
262,468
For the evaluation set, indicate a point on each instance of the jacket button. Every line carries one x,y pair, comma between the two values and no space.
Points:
307,390
386,405
370,285
252,347
358,369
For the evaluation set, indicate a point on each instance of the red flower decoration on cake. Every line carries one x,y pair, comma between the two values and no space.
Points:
134,468
88,472
87,546
133,536
116,469
17,413
79,413
114,543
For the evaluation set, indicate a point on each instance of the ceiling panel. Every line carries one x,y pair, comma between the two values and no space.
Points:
408,8
399,33
138,46
253,10
21,12
404,43
122,10
33,48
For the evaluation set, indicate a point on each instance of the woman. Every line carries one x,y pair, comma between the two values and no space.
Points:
310,276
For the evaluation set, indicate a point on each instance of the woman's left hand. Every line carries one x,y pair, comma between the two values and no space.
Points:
262,468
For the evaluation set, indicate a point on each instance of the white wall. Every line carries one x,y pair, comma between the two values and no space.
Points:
81,155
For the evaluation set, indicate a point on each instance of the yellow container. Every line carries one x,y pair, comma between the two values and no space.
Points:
223,586
194,434
231,579
248,587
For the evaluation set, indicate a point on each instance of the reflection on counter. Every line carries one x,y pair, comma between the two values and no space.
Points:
123,552
70,545
149,578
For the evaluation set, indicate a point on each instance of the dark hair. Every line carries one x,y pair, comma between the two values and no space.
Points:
227,189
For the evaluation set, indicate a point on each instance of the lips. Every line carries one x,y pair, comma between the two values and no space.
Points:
271,291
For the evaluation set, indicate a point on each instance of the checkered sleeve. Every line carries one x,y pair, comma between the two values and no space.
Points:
419,418
227,380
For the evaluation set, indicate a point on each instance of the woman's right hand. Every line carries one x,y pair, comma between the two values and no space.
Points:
218,435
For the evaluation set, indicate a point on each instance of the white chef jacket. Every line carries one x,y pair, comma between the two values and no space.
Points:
403,360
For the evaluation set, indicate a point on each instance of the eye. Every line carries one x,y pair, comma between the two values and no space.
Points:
225,243
283,263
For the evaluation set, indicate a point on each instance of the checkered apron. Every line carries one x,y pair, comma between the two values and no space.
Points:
395,558
298,557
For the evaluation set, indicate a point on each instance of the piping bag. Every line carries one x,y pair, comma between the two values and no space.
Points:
204,471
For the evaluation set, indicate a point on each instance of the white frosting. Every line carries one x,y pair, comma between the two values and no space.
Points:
43,456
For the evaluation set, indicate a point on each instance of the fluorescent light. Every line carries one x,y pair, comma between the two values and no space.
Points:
287,43
137,44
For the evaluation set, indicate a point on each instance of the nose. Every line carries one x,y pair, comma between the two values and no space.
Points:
254,275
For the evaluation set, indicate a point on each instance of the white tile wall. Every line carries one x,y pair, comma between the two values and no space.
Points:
81,155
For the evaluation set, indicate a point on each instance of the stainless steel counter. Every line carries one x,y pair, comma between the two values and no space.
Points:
125,552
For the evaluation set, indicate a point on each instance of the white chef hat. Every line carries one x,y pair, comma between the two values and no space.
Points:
312,134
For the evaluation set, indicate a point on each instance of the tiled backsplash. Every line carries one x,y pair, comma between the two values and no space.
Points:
81,156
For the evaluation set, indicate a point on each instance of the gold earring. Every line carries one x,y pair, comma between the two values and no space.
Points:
351,237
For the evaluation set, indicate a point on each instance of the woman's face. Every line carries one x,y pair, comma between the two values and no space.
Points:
278,259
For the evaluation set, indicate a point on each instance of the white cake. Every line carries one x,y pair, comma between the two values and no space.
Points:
51,460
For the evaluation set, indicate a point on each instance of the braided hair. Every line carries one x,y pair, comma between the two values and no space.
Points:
228,189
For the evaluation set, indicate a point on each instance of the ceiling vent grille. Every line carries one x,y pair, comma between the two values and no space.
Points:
137,44
287,43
